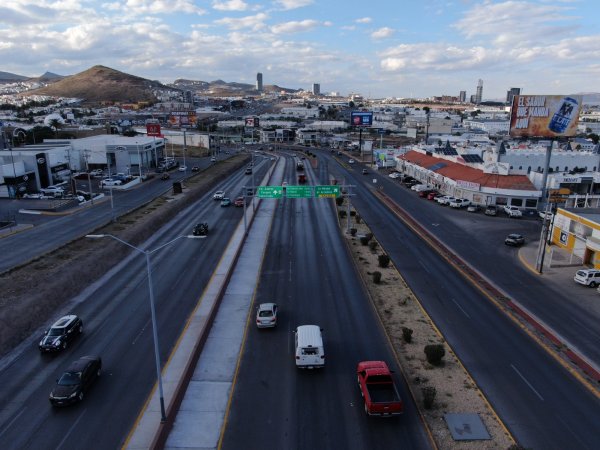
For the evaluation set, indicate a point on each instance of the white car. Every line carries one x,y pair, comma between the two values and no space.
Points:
459,203
513,211
213,159
219,195
546,215
350,161
445,200
55,191
110,182
394,175
182,168
96,172
266,315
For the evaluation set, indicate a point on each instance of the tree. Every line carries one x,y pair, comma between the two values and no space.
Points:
55,124
594,137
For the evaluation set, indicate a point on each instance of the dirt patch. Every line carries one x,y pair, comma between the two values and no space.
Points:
399,309
32,293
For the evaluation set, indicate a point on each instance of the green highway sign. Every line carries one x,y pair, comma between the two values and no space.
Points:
298,191
327,191
270,191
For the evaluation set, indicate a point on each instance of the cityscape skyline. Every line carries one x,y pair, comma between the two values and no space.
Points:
421,50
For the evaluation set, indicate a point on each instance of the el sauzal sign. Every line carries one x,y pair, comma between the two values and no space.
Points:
545,115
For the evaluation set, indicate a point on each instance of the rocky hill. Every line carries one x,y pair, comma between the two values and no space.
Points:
101,84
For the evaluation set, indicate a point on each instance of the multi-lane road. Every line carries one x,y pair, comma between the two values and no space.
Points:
307,270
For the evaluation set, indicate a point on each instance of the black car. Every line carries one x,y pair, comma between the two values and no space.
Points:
61,333
200,229
514,239
76,380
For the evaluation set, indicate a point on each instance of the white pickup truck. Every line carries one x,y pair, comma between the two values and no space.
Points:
513,211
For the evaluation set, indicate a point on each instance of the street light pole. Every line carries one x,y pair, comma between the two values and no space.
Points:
147,253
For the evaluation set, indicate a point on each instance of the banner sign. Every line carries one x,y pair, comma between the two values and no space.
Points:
361,119
153,129
545,115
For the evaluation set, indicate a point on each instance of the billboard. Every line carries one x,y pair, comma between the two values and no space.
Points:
545,115
182,118
252,121
153,129
361,119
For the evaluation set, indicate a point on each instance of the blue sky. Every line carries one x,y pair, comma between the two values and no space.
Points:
381,48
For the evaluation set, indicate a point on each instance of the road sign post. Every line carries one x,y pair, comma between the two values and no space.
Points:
270,191
298,192
327,191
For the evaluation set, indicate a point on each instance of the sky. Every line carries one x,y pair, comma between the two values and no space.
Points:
377,48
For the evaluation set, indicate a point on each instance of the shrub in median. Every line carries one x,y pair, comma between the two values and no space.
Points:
339,201
434,353
407,335
364,240
376,277
373,245
384,260
428,396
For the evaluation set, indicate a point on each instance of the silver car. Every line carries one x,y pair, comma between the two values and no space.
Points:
266,315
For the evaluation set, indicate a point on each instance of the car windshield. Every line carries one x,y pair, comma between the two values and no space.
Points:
70,379
265,313
56,331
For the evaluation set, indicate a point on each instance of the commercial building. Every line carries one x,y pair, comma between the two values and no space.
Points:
259,82
577,231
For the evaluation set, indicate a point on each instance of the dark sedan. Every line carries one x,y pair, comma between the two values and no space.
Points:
61,333
76,380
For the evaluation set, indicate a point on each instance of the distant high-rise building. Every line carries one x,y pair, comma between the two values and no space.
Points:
462,97
511,93
316,89
479,92
259,82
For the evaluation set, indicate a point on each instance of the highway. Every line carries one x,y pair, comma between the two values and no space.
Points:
308,273
541,403
117,326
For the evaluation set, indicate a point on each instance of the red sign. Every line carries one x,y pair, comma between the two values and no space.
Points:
153,129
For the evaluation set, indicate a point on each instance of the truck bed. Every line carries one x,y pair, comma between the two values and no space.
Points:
382,393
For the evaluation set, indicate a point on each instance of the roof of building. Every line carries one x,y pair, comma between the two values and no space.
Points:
456,171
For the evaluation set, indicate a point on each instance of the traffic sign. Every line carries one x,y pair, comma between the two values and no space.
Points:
326,191
270,191
298,191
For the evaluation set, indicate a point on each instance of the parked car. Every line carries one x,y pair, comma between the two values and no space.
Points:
108,182
545,215
365,171
472,208
513,211
266,315
351,161
96,172
76,380
200,229
394,175
459,203
491,210
165,176
219,195
587,277
239,201
53,191
515,240
226,201
61,333
213,159
445,200
433,195
425,193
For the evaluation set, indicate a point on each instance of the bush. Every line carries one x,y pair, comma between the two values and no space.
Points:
353,231
384,260
339,201
376,277
364,240
429,393
357,218
369,236
435,353
342,214
352,213
373,245
407,334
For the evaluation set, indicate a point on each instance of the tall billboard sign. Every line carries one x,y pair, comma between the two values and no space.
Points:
545,116
252,122
361,119
153,129
185,119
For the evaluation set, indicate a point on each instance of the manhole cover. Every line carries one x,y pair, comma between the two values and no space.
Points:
466,427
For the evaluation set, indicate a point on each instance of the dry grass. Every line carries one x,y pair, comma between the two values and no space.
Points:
397,307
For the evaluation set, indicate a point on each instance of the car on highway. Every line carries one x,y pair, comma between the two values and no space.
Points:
248,171
195,169
491,210
239,201
165,176
515,239
226,201
213,159
459,203
266,315
513,211
182,168
365,171
219,195
200,229
61,333
587,277
351,161
109,182
76,381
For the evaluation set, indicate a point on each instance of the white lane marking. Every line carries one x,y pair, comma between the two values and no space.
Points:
459,307
70,430
8,425
527,382
424,267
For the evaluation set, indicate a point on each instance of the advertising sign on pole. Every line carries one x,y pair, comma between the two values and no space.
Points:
361,119
153,129
546,116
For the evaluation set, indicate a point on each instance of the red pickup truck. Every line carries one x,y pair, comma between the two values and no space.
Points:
378,389
301,178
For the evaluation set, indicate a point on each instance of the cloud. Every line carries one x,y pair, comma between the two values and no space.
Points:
364,20
294,26
230,5
141,7
382,33
255,22
293,4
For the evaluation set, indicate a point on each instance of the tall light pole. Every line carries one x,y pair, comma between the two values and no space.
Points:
147,253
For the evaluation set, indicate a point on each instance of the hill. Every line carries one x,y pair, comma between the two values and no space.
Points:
6,77
224,88
101,84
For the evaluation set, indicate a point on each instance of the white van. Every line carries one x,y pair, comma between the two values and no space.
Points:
309,347
588,277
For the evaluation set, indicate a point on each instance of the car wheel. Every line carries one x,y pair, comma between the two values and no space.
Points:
64,345
80,396
80,329
593,284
